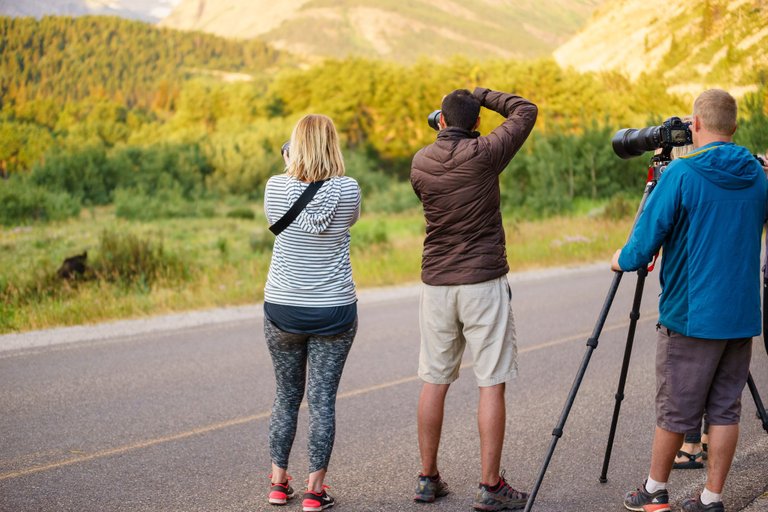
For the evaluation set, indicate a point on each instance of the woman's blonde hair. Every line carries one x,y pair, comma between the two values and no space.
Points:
315,154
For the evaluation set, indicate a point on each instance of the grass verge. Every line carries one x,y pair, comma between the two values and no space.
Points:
201,263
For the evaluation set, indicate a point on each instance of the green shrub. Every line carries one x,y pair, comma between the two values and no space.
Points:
92,175
22,202
168,203
366,234
381,192
125,258
222,244
182,167
261,241
241,213
398,197
364,169
84,174
619,207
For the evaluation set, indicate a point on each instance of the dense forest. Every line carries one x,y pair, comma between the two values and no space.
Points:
100,110
133,63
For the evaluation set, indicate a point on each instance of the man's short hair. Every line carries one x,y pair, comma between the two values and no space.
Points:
461,109
717,111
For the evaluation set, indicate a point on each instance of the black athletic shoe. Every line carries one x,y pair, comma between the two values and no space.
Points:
430,488
695,505
644,501
315,502
280,493
499,497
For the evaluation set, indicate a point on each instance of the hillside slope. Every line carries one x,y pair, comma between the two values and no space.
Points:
145,10
392,29
690,43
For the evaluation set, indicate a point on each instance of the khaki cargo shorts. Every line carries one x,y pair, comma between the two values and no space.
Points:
475,315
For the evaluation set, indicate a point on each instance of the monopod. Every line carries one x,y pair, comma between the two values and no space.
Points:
658,164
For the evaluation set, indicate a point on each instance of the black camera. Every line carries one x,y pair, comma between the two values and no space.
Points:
285,148
434,120
631,142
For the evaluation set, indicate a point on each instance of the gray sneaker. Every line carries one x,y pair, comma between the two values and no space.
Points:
430,488
641,500
502,497
695,505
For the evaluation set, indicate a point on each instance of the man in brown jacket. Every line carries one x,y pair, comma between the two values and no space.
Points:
466,298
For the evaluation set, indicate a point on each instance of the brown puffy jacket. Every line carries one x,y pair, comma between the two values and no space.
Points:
457,181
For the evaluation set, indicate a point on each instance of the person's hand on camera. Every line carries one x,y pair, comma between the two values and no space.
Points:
615,261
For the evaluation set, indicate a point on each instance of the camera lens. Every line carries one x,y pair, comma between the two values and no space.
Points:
630,142
433,120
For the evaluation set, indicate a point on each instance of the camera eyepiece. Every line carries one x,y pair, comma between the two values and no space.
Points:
433,120
284,149
631,142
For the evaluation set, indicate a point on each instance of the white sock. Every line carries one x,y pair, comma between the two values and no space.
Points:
708,497
652,485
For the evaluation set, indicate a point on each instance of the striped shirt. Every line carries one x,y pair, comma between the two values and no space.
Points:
310,259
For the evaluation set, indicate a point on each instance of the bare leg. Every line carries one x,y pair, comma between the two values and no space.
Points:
491,420
316,481
430,423
692,448
722,446
665,447
279,475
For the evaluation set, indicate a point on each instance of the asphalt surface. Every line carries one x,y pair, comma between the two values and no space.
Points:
174,417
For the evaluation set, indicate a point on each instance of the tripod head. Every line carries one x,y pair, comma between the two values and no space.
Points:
659,163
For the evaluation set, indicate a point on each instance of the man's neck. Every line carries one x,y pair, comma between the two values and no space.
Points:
705,139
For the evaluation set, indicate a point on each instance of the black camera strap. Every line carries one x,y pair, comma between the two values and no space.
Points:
297,207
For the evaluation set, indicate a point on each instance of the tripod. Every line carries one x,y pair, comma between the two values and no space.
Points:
658,163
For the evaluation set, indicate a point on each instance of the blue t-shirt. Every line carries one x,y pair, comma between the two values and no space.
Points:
326,321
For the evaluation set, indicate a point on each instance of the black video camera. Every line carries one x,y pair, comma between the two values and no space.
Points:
630,142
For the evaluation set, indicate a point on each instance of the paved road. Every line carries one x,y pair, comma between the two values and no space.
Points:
176,420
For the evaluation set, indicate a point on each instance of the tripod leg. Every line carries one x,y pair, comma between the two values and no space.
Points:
758,403
591,346
557,433
634,315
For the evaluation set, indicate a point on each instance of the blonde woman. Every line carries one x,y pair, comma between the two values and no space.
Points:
310,304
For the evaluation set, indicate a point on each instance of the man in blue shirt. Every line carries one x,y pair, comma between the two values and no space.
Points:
707,212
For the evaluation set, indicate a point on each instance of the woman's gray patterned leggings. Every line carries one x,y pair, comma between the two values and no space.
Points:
291,354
